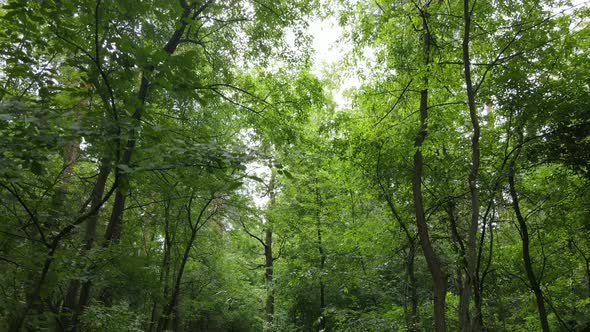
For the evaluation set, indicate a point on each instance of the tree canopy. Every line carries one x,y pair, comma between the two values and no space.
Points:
182,166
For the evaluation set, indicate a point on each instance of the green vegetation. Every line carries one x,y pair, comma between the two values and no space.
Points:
177,166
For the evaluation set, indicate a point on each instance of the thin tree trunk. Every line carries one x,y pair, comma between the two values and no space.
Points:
34,296
114,227
165,272
414,314
480,278
473,175
70,304
58,199
70,156
587,261
526,256
269,260
322,319
170,311
478,295
414,321
89,238
461,268
432,260
268,264
487,226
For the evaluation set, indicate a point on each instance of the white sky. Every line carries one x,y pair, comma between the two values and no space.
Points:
325,35
329,50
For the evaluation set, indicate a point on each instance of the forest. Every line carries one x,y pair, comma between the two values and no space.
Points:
189,165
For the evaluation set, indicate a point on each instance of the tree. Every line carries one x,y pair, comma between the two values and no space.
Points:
450,194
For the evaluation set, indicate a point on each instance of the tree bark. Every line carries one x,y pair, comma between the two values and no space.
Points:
268,264
524,235
432,260
480,276
170,311
89,239
322,319
34,296
414,314
114,227
269,260
165,272
414,321
473,176
113,232
461,268
70,156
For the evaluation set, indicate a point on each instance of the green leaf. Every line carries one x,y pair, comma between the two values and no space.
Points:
37,168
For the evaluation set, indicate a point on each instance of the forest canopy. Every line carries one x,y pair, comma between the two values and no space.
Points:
184,166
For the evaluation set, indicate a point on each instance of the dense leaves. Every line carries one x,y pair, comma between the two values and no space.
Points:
176,165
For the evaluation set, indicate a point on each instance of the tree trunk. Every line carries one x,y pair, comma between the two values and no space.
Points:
479,279
473,175
461,268
268,264
89,238
114,227
414,320
70,156
432,260
487,226
322,319
269,259
480,276
526,256
165,272
414,314
70,304
478,297
34,296
113,233
170,311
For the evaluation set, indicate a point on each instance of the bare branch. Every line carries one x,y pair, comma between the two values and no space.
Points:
246,92
202,8
10,261
256,267
281,245
252,235
231,101
394,104
200,224
33,217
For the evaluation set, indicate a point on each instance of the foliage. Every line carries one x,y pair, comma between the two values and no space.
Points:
177,165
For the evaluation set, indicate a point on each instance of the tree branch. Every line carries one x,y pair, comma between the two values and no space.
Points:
33,217
252,235
395,104
281,245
